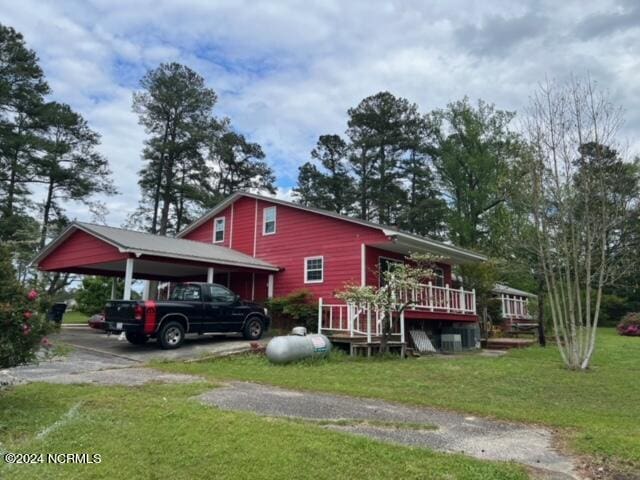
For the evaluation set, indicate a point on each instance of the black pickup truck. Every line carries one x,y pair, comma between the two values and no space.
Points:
191,308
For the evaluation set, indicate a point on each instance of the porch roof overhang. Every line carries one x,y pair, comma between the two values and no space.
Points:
405,243
104,250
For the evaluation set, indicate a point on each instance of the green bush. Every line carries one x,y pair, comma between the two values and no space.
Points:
94,293
23,323
612,309
494,310
297,308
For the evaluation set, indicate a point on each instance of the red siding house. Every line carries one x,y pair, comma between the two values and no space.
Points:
262,247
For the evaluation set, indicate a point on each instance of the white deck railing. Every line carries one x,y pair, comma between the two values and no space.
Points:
432,298
356,320
515,307
361,320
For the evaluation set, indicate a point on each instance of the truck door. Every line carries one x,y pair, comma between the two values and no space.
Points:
219,310
190,299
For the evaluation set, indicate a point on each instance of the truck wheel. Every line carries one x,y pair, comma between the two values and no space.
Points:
253,329
136,338
171,335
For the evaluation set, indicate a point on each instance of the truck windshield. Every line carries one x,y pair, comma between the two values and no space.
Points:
186,293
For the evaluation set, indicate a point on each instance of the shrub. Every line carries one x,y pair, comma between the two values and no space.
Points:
297,308
94,294
494,310
612,309
630,325
23,324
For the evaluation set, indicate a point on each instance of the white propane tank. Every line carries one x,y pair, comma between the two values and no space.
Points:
297,346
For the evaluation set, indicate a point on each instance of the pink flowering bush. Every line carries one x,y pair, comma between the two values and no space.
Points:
630,325
23,321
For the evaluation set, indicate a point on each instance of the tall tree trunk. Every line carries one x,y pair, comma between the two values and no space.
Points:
542,339
158,186
46,212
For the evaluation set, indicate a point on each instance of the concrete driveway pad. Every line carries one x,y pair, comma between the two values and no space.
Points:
456,433
104,359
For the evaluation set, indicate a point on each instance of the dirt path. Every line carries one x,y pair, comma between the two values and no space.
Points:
457,433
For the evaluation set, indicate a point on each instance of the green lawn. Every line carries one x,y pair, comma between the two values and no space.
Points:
597,411
75,317
159,431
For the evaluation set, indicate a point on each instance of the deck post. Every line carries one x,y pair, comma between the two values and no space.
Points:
320,315
352,311
447,298
210,273
463,301
430,300
128,278
402,334
473,296
369,326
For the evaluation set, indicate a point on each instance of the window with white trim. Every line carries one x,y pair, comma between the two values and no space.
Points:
218,230
438,277
386,264
269,221
313,270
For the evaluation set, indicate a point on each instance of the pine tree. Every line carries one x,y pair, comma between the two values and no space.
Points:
334,189
22,91
175,107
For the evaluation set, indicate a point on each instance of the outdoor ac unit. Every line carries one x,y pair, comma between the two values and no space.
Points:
470,335
451,343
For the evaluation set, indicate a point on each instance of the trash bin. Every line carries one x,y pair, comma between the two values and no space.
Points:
56,312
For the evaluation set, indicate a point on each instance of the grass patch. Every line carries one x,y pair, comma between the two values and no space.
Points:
75,317
354,422
597,410
159,431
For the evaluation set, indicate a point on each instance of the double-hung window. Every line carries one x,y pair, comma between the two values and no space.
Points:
313,270
218,230
269,221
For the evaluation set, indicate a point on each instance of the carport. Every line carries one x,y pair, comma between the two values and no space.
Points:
89,249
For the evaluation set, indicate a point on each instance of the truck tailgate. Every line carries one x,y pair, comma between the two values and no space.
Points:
120,311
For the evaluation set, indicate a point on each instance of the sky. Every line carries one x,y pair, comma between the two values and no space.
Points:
287,71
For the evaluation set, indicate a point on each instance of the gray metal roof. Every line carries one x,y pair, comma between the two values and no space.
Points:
507,290
140,243
432,245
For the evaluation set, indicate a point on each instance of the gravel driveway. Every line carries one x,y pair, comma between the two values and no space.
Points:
457,433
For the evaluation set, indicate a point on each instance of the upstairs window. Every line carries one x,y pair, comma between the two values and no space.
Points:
218,230
438,277
269,221
313,270
386,265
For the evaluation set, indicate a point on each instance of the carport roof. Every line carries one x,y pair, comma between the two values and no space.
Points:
141,243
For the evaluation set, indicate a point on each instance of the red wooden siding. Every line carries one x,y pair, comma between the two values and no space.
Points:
78,250
204,233
301,234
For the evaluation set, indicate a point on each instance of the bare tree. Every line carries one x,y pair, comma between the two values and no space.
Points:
578,215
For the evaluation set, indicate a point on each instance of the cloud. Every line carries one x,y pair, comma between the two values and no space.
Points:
496,34
287,72
608,22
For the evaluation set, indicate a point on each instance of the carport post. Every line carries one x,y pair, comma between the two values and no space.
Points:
269,285
113,288
128,277
210,272
145,291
